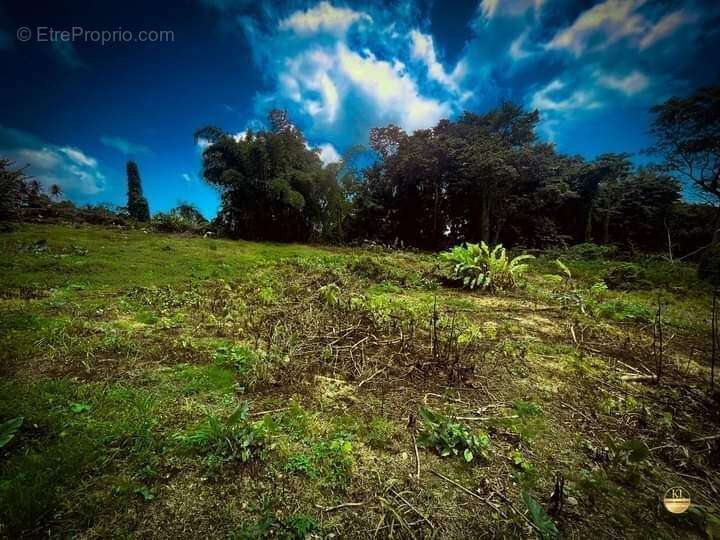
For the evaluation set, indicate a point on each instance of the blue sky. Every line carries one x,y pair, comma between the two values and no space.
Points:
75,109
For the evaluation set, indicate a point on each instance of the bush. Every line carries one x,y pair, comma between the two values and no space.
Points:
476,265
626,276
184,218
709,265
591,251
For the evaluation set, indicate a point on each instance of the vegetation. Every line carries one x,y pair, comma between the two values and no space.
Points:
477,265
175,385
180,386
137,204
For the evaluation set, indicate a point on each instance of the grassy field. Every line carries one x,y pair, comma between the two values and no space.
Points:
178,387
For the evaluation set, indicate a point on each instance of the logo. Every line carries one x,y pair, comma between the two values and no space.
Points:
676,500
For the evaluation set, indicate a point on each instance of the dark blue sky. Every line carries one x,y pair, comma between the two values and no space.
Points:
75,110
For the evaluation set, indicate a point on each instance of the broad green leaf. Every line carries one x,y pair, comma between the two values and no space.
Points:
8,429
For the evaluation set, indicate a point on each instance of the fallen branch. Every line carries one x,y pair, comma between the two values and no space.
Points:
260,413
708,438
372,376
339,506
417,458
632,377
466,490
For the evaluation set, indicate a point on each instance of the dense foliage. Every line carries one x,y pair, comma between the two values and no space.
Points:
482,177
273,186
137,204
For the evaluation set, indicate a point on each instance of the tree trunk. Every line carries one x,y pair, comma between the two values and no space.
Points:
485,219
588,223
606,227
716,227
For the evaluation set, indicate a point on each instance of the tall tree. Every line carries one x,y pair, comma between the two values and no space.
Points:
137,204
688,139
273,186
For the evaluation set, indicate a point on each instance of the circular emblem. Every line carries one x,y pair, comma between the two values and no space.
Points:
676,500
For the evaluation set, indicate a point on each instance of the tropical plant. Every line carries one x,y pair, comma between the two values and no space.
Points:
477,265
449,438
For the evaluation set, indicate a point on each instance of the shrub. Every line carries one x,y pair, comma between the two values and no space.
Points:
184,218
476,265
449,438
591,251
626,276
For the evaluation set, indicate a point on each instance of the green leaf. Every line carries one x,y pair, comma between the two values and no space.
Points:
79,408
8,429
639,451
468,455
539,517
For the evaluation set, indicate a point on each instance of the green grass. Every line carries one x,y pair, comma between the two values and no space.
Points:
128,353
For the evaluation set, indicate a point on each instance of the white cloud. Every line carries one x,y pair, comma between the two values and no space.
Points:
578,99
512,8
240,136
202,144
76,172
323,18
328,153
391,89
423,48
124,146
516,47
78,156
665,27
601,26
632,83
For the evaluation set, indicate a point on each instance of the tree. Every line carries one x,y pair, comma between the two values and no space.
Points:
56,192
688,139
273,186
12,184
137,204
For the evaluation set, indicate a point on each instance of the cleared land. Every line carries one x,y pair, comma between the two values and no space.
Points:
186,387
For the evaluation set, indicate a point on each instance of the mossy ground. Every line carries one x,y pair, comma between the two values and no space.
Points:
117,344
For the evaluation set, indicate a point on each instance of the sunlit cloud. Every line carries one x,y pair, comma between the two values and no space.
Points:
324,17
77,173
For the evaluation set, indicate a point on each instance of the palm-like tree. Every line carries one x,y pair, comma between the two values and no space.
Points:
56,192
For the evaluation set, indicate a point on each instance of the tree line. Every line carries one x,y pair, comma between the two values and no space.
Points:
479,177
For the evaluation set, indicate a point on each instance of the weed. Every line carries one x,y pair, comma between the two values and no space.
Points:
229,439
449,438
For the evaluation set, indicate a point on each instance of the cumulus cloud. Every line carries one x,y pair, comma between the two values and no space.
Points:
328,153
323,18
391,89
75,171
630,84
124,146
340,72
